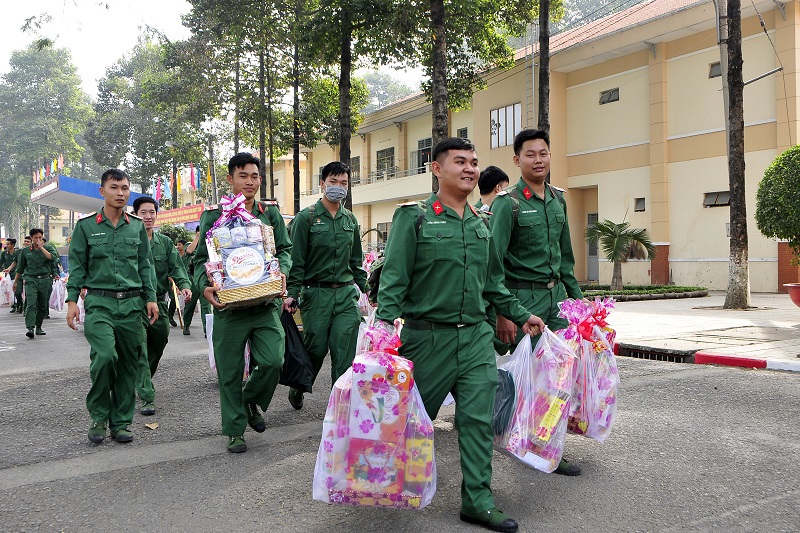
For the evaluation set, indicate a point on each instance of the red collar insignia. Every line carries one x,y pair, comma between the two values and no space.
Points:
526,192
437,207
128,220
260,208
99,218
473,208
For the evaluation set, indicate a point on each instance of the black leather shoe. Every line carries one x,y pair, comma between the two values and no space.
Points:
565,468
254,418
29,334
173,323
296,399
40,331
493,519
186,331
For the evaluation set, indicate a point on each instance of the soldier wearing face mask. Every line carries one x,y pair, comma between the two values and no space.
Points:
326,266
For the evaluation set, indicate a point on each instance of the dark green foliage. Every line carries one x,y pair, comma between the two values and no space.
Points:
778,199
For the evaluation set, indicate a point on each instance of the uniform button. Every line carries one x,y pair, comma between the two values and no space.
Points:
466,290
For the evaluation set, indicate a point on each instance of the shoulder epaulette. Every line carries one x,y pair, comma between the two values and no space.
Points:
135,216
270,202
212,207
407,204
502,193
559,189
90,215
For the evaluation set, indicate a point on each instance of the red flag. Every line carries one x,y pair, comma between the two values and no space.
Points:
192,177
47,170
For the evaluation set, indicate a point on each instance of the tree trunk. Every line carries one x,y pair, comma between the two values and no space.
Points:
236,99
270,129
440,128
738,294
346,63
616,277
296,127
544,66
262,141
46,228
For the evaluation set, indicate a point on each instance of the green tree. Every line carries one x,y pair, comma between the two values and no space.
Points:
777,206
176,233
620,242
319,110
383,90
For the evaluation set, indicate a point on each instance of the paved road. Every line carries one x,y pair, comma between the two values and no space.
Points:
695,449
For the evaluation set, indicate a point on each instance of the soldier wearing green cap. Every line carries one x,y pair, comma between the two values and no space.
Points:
441,263
326,263
110,256
233,328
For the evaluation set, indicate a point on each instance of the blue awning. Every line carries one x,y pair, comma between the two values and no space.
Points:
72,194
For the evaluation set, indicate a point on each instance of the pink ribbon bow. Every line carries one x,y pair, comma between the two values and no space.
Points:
232,207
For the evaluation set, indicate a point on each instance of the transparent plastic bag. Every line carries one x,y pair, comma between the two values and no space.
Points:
377,439
544,377
58,295
6,290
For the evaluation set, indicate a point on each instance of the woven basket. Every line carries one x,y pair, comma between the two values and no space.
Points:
252,294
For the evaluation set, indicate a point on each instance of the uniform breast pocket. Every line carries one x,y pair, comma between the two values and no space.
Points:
131,246
437,243
557,224
479,250
532,228
98,247
320,235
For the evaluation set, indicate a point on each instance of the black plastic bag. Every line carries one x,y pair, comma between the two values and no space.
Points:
504,401
297,371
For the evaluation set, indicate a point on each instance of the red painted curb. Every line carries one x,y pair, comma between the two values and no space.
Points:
616,349
708,358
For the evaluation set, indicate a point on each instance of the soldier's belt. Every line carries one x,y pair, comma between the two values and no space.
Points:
42,276
117,295
328,285
425,325
530,285
161,297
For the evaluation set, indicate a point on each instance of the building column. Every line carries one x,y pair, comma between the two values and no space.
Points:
659,169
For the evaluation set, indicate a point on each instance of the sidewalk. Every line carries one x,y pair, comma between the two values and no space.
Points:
767,336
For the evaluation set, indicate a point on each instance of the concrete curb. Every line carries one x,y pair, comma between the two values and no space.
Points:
703,357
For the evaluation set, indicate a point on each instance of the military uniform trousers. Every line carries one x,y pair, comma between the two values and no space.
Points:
18,301
116,337
36,298
157,339
232,329
330,323
544,304
188,310
461,361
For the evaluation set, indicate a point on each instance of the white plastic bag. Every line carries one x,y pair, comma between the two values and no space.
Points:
58,295
6,290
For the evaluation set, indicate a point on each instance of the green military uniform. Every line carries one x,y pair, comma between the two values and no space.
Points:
491,316
197,295
56,274
532,236
234,327
6,260
167,265
326,261
37,273
115,265
436,277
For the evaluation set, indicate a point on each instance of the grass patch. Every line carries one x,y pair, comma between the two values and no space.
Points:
605,290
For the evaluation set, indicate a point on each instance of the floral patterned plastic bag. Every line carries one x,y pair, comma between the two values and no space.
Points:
544,379
377,439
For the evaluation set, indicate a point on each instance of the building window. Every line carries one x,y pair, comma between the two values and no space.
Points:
611,95
462,133
64,231
422,155
355,170
383,229
638,204
505,123
714,70
384,161
717,199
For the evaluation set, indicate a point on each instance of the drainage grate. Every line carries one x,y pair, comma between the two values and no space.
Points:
655,354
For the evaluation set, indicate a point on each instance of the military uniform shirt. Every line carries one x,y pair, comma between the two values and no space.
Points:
442,273
32,263
8,259
56,261
108,258
268,214
536,247
325,249
167,264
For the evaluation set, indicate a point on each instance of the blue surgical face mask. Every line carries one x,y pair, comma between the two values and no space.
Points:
335,193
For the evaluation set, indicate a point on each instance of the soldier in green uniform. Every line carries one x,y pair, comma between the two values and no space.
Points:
326,261
167,265
26,242
258,324
56,272
439,268
35,267
197,292
531,230
180,245
110,256
8,264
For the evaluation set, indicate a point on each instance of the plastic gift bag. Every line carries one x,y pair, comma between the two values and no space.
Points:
543,379
59,295
377,439
297,371
212,362
6,290
594,408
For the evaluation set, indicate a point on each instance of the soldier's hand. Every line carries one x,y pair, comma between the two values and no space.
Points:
187,294
73,314
534,326
210,294
289,305
15,286
152,312
506,330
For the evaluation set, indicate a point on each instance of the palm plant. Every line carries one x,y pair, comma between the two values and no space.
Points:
620,242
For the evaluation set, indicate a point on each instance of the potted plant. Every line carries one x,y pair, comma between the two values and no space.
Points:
778,206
